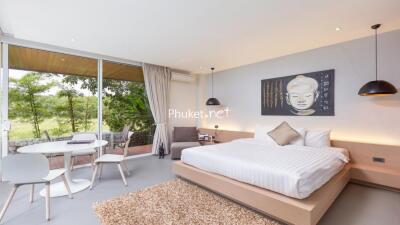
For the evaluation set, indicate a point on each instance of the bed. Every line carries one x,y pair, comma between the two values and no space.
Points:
295,184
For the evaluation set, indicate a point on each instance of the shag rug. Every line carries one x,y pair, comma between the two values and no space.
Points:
176,202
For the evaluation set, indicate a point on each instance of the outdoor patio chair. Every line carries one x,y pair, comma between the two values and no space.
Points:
51,156
87,152
114,159
46,134
30,169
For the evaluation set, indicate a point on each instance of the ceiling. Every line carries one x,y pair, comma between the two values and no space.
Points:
195,35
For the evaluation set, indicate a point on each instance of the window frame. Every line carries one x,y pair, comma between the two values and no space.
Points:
5,41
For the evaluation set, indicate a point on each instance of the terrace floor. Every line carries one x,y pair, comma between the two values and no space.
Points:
58,161
356,205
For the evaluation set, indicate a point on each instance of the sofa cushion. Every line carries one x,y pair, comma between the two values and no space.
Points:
185,134
178,147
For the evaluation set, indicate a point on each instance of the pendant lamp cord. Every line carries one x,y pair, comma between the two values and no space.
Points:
376,54
212,82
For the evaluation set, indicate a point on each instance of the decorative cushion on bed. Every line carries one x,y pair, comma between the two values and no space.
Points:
261,133
185,134
318,139
283,134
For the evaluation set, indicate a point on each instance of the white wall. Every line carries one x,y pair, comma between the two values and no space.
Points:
183,97
367,119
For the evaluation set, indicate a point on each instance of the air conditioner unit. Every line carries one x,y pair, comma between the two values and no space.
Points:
187,78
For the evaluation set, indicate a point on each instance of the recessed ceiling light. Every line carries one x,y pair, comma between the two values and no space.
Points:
72,39
338,29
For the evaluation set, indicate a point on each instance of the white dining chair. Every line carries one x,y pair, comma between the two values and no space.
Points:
29,169
114,159
86,136
51,156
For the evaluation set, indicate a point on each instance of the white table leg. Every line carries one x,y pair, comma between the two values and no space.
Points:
76,185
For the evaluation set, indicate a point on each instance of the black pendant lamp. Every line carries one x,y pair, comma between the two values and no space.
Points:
212,100
377,87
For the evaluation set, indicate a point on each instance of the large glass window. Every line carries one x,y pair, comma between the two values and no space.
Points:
51,97
125,103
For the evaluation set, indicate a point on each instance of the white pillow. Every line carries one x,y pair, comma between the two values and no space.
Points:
300,140
261,133
318,139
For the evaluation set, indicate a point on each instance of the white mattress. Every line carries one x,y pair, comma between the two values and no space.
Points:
295,171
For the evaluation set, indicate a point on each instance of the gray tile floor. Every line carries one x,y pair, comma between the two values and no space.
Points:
357,205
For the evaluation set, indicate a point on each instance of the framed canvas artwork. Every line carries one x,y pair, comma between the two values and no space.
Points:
308,94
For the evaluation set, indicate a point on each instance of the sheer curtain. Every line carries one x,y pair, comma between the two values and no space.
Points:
157,80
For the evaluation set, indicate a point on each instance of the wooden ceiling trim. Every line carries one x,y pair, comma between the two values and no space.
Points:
22,58
29,59
118,71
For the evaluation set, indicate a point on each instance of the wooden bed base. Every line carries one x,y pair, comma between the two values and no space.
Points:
286,209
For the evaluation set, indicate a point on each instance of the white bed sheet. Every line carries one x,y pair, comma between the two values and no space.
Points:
295,171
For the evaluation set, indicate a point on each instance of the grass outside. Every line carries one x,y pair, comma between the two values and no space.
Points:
23,130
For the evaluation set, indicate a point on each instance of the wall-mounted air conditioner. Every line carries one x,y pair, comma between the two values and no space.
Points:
181,77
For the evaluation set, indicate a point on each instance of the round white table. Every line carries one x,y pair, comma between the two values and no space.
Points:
76,185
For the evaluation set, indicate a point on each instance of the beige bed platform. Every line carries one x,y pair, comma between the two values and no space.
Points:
306,211
290,210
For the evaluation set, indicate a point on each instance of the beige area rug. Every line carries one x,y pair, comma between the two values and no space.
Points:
175,202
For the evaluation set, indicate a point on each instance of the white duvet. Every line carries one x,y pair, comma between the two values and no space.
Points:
292,170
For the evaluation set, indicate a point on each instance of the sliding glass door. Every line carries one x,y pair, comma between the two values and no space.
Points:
49,96
125,104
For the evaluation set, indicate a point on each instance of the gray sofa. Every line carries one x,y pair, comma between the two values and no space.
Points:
183,137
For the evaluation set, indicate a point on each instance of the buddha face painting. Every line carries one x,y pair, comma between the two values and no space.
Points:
302,93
